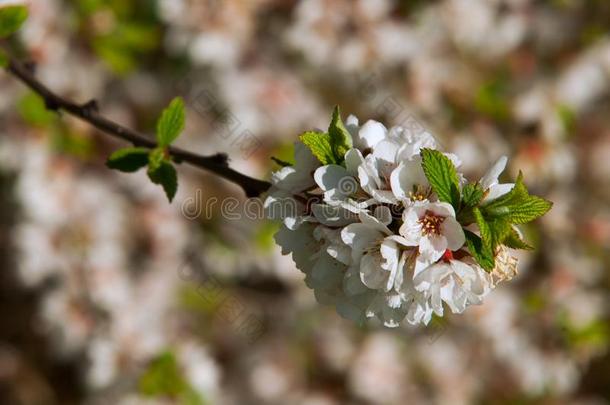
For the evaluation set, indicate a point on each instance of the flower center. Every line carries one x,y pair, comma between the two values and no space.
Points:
419,193
431,223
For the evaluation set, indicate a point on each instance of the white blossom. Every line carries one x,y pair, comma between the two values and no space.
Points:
458,283
431,227
370,233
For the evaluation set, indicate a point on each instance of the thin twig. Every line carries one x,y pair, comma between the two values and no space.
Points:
217,164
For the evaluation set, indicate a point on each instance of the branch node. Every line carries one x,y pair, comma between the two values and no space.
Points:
91,106
51,105
221,159
30,66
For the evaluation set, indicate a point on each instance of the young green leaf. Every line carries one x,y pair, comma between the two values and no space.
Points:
472,194
11,18
514,241
517,206
319,144
481,253
155,158
171,123
164,174
499,230
128,159
483,227
441,174
340,138
493,232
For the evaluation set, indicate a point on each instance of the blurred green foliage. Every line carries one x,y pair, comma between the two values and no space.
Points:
11,18
491,99
123,31
264,235
567,118
163,378
32,109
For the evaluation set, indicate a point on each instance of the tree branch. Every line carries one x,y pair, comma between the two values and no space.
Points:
217,164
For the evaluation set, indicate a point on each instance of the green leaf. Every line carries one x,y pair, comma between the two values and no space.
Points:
329,147
340,138
514,241
479,251
499,230
128,159
483,227
442,176
11,18
171,123
319,144
155,158
161,171
493,232
517,206
472,194
3,59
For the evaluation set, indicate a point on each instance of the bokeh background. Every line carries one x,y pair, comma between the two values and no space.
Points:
109,295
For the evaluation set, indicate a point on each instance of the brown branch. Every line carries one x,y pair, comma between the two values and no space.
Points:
217,164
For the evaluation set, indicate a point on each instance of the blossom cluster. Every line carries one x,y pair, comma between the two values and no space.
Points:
384,225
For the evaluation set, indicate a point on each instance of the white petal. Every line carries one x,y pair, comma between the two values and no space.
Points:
373,223
371,273
384,196
383,214
452,230
300,243
360,237
370,134
419,312
304,160
432,247
294,222
442,209
389,308
328,177
369,180
498,190
332,216
280,205
401,240
390,254
351,124
326,273
405,177
352,284
353,159
491,177
385,151
411,228
340,253
354,307
421,265
414,145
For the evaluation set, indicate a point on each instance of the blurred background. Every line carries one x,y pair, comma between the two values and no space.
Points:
109,295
